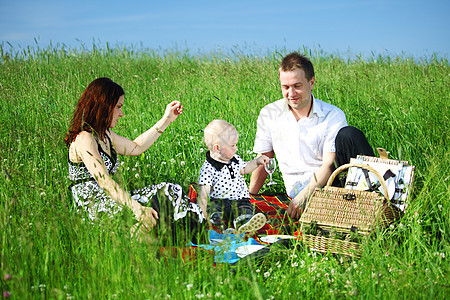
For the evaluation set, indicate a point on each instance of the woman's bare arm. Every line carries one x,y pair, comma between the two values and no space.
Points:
86,148
125,146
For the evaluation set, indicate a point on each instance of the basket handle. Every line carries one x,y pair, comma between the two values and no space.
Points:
363,166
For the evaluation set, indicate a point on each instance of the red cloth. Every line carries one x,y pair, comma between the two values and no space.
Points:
274,208
186,254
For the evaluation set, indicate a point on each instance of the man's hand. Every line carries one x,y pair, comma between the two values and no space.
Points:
319,179
296,206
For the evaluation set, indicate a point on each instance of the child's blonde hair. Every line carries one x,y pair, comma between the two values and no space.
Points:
218,131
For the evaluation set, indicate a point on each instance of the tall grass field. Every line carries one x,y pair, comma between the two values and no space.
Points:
47,251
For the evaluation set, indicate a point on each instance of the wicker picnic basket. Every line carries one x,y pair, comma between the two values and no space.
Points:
337,220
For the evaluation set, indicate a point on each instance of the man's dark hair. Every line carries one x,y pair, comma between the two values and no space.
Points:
294,61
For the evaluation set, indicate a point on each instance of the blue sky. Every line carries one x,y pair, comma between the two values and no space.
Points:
405,28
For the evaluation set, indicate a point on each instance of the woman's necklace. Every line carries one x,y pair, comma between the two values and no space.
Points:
105,142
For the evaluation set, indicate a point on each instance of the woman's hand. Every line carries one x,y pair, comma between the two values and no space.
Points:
173,110
146,215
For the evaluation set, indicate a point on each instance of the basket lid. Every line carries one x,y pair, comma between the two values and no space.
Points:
343,209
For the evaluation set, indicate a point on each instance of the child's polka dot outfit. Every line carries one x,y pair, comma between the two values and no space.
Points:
225,180
229,193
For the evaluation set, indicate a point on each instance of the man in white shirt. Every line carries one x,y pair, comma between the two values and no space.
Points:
301,131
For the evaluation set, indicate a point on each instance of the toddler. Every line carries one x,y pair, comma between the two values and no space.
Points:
221,181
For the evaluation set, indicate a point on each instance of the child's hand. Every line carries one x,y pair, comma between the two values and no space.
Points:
262,160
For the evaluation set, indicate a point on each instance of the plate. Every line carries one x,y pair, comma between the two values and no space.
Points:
243,251
275,237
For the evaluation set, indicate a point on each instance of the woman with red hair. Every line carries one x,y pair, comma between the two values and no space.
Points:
93,148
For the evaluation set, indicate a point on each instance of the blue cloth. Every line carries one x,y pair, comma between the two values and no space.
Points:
225,246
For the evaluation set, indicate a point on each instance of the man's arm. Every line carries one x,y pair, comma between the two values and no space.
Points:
259,175
320,178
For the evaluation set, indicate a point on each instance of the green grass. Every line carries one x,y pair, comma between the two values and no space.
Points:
402,105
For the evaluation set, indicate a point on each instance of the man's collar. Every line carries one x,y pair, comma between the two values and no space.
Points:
315,109
218,165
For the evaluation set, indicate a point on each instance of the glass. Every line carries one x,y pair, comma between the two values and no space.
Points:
270,168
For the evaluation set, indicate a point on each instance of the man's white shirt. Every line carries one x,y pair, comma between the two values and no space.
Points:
299,146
